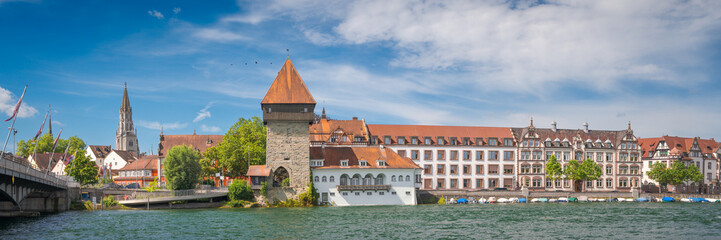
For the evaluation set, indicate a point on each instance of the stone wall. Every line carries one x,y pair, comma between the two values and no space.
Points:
289,140
282,194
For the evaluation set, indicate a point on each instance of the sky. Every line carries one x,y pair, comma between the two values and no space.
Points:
200,66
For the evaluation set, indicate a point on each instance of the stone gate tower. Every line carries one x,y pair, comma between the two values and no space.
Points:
126,138
287,112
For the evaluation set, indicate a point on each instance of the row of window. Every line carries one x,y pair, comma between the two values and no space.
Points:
453,154
566,156
368,179
536,182
138,173
623,169
466,183
467,169
441,140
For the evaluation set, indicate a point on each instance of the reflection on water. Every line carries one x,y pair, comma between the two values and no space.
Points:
571,220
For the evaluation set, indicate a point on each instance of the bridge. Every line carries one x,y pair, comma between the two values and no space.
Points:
146,198
27,191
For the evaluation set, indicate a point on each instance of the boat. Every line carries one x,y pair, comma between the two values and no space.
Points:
544,200
535,200
712,200
572,199
562,199
482,200
593,199
641,199
621,200
462,200
522,200
583,199
613,200
698,200
601,200
513,200
668,199
686,200
492,200
502,200
552,200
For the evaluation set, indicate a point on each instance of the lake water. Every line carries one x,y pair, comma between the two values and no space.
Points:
536,221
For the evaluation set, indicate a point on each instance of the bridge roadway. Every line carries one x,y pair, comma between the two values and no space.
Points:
25,189
142,198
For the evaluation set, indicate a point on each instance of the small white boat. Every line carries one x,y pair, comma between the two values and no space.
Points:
601,200
622,200
515,200
685,200
583,199
712,200
562,199
492,200
502,200
630,200
482,200
552,200
535,200
593,199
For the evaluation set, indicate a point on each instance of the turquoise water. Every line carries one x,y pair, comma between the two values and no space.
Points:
535,221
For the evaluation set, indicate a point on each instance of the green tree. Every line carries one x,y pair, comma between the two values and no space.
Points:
693,174
677,174
181,168
82,169
240,190
553,168
209,163
582,172
45,144
243,145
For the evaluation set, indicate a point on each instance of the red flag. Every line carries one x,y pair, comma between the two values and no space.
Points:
58,138
42,126
17,106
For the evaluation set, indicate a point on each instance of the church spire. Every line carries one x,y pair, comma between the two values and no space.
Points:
322,116
125,106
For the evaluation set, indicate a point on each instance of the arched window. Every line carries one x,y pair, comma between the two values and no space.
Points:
356,180
400,178
393,178
332,179
408,178
324,179
343,179
316,179
368,179
379,179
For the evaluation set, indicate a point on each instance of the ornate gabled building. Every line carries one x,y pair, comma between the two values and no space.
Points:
704,153
339,132
616,152
287,112
126,138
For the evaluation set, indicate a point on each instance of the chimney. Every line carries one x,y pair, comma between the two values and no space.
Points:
585,127
355,118
553,126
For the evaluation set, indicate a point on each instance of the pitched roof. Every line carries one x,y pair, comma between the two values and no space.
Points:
198,142
148,162
678,144
421,131
125,155
42,159
648,145
614,136
333,155
288,87
126,102
258,171
100,151
322,130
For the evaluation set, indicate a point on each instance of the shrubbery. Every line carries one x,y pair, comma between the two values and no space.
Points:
442,200
240,190
238,203
286,182
109,201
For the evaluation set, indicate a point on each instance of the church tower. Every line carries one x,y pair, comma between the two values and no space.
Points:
126,138
287,112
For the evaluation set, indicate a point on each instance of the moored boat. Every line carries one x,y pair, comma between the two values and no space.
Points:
686,200
562,199
572,199
668,199
492,200
522,200
502,200
642,199
552,200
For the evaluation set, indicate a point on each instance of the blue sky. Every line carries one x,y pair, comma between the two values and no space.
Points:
491,63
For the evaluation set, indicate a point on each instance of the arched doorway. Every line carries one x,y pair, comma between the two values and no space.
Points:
279,176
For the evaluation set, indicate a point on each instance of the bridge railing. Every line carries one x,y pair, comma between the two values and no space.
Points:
173,193
6,166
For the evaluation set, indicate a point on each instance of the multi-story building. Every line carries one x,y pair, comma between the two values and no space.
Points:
704,153
616,152
200,143
142,171
453,157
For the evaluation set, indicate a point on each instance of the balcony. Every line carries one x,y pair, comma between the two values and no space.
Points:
363,187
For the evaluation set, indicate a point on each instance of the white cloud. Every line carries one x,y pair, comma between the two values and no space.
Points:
176,10
156,14
58,123
204,113
219,35
157,125
211,129
7,105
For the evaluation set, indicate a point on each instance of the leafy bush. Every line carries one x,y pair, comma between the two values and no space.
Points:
309,197
240,190
286,182
442,201
238,203
181,167
109,201
264,189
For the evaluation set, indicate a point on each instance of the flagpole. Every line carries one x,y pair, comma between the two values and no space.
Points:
12,127
65,154
37,139
71,165
50,163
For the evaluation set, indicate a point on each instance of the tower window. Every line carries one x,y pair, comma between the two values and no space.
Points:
130,143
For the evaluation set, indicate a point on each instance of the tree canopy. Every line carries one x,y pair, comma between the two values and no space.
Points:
45,144
585,171
553,168
82,169
181,168
243,145
676,174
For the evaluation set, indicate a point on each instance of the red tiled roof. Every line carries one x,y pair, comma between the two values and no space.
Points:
648,145
333,155
42,159
288,87
100,151
447,132
614,136
149,162
258,171
322,131
125,155
198,142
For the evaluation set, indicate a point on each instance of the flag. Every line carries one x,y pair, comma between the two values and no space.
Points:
42,126
17,106
58,138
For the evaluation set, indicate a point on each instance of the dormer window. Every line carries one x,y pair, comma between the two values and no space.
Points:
363,163
381,163
427,141
401,140
387,139
454,141
374,140
414,140
441,141
316,163
479,141
358,139
493,141
343,163
466,141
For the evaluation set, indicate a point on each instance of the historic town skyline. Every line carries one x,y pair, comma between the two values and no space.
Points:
185,64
